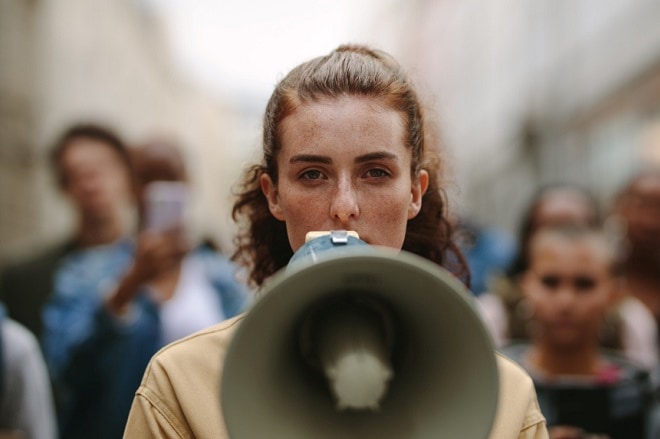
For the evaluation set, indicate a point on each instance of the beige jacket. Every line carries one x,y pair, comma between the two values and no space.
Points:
180,393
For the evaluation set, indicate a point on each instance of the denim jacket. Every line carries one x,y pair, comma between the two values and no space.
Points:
97,360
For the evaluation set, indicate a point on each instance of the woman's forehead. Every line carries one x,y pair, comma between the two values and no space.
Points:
554,246
348,119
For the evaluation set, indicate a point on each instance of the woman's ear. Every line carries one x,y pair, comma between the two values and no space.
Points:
418,190
269,189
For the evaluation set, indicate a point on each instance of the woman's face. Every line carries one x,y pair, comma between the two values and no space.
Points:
569,287
344,166
96,179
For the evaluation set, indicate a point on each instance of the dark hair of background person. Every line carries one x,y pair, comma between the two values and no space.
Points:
261,241
89,131
155,159
528,221
158,159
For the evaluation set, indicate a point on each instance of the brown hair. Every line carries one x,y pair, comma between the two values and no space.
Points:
87,131
261,242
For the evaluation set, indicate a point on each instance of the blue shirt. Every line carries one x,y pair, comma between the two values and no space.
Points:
97,360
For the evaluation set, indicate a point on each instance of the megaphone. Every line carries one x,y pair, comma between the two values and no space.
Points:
356,341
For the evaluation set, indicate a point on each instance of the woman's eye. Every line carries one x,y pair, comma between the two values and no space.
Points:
377,173
312,174
584,283
551,282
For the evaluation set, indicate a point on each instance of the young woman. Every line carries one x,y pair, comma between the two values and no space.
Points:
551,205
344,147
570,284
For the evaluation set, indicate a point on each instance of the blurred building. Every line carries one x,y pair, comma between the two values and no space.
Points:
65,61
535,91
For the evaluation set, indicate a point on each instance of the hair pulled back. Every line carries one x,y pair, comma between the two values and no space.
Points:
350,70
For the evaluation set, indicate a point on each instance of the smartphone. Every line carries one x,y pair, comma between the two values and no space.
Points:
166,203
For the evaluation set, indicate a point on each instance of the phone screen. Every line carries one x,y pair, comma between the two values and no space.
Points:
166,203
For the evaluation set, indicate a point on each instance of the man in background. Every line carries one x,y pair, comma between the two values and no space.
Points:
92,167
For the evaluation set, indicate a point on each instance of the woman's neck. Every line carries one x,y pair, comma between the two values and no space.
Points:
584,360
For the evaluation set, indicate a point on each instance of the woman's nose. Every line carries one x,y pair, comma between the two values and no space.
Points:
565,297
344,203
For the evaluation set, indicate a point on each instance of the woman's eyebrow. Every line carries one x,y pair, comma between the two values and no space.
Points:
380,155
310,158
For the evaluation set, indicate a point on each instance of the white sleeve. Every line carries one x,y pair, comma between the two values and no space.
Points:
494,316
27,401
639,333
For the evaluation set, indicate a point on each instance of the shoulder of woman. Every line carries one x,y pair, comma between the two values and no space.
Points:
196,347
518,414
510,370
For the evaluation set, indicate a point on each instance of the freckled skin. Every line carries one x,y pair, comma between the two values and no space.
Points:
344,165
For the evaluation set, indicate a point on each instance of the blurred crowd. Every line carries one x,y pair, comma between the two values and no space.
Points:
574,298
575,302
83,318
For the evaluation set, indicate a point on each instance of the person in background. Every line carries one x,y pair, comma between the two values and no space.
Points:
98,342
569,285
635,223
637,209
91,165
345,147
26,400
200,279
557,204
627,328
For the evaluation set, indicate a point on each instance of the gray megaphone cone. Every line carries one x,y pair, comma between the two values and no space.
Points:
443,380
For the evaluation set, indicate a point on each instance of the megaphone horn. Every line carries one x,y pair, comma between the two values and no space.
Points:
355,341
